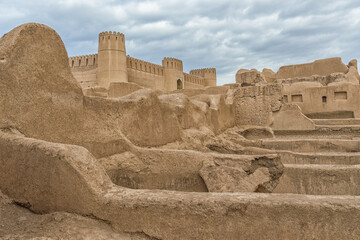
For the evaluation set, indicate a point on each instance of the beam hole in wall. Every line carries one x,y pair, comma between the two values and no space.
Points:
179,84
324,99
340,95
296,98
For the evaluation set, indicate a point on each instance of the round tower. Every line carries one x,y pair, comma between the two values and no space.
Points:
111,59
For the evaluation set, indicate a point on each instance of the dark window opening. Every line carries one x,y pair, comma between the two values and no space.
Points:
324,99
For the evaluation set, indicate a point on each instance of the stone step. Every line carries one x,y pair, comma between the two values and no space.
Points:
334,158
344,121
316,179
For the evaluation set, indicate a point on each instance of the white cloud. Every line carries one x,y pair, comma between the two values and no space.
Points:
228,34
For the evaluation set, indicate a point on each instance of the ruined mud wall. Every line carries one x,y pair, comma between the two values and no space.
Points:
163,214
254,105
342,100
40,97
321,67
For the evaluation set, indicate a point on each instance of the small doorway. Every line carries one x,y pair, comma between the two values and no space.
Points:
179,84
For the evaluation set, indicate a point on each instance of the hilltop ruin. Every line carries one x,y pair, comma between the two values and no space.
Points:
274,155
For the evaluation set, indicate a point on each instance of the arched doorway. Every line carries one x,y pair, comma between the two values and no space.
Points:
179,84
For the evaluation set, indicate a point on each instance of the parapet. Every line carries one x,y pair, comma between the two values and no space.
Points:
83,61
172,63
193,79
203,71
144,66
111,41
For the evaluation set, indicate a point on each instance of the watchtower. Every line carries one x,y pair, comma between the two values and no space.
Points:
209,75
173,74
111,59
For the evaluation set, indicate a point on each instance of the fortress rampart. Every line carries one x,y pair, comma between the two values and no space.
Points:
143,66
172,63
202,72
83,61
112,65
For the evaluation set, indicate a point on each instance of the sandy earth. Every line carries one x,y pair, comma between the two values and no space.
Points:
19,223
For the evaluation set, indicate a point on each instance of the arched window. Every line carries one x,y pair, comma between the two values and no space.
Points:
179,84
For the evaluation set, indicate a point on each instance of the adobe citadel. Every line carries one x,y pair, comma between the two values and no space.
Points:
112,65
99,147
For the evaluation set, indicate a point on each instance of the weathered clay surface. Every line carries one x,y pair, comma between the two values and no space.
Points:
250,77
195,215
231,175
160,165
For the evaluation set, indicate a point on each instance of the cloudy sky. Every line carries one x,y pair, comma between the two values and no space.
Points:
225,34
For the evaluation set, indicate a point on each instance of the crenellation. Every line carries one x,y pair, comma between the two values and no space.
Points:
144,66
113,65
83,61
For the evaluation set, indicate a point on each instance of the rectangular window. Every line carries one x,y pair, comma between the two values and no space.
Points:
340,95
296,98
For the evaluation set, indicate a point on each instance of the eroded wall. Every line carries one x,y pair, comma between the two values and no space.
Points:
321,67
254,105
316,101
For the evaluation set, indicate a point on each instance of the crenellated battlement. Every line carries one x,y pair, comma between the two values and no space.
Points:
203,71
111,33
144,66
111,64
83,61
172,63
111,41
194,79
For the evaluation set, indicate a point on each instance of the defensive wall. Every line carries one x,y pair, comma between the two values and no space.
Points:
84,69
112,65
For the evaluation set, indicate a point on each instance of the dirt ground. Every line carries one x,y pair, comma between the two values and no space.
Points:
17,222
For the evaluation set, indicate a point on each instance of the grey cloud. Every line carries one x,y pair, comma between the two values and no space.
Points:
228,34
